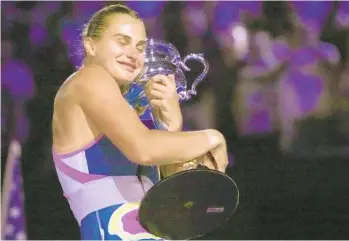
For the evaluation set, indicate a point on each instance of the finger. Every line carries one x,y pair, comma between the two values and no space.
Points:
159,79
207,163
223,169
212,160
155,94
163,84
165,80
222,166
172,80
159,87
159,103
156,103
171,76
220,161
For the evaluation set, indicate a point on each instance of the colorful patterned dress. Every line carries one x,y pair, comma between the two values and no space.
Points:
103,190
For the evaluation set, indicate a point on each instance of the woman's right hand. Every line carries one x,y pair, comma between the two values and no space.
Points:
217,158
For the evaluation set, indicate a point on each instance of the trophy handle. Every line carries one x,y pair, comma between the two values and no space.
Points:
185,95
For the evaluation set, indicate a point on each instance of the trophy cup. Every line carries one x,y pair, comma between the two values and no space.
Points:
190,200
163,58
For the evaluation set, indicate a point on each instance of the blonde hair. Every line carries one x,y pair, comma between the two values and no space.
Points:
98,22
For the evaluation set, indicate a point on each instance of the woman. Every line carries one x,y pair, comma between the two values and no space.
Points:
98,139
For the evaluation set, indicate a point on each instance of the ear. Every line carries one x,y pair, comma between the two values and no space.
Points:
90,46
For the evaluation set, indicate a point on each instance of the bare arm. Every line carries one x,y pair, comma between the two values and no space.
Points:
101,99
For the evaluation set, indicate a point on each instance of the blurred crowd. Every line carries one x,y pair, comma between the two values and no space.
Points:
279,71
275,67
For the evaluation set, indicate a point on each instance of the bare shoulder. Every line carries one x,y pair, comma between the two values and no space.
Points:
92,73
64,93
92,77
85,82
72,128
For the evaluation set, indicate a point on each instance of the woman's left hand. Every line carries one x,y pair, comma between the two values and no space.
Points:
162,95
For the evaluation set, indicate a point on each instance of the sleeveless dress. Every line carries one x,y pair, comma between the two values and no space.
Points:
103,190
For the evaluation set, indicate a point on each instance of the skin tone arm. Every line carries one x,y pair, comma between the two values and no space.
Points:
101,99
162,94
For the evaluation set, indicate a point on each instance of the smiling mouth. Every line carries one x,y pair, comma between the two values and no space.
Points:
130,67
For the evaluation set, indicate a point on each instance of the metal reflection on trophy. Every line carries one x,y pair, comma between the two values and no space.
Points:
164,59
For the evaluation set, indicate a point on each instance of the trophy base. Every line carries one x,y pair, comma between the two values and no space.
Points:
189,204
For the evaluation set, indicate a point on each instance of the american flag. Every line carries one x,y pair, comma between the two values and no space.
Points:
12,214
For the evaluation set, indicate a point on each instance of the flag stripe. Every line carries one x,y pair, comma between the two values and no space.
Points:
13,153
13,219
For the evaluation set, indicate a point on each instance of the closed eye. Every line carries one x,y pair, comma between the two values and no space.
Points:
127,40
141,48
122,41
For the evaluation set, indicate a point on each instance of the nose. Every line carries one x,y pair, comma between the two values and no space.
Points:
132,53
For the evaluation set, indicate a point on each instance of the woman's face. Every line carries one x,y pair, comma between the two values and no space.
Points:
120,49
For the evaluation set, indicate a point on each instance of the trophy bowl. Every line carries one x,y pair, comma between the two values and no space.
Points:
190,200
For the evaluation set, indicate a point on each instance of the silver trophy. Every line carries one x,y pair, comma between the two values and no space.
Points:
163,58
192,181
